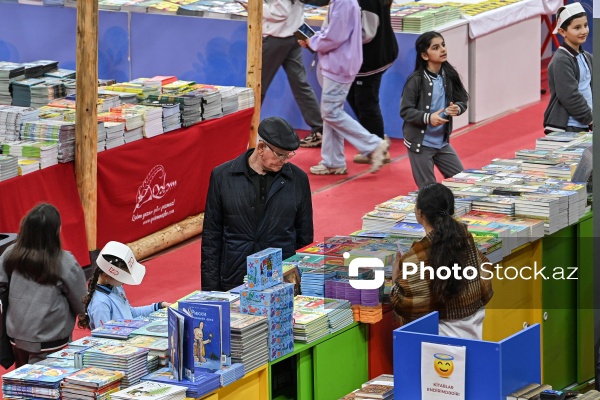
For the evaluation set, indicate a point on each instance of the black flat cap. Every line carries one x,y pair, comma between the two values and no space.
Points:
279,133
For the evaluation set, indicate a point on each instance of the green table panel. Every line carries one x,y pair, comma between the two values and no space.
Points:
559,302
585,300
341,364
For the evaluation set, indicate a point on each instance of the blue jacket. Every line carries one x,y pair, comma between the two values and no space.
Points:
111,303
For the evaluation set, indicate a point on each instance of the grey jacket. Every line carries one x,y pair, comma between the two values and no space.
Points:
42,316
415,108
565,98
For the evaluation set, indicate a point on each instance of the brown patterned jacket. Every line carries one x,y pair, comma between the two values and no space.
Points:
412,298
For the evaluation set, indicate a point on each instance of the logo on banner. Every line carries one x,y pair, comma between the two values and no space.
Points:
154,188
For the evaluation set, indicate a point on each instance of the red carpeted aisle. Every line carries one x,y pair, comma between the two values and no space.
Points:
340,201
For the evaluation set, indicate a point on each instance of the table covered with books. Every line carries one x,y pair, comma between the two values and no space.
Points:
143,186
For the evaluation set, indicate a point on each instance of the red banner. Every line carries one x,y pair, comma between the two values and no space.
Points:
150,184
55,185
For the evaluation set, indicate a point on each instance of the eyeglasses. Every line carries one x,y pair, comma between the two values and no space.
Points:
282,157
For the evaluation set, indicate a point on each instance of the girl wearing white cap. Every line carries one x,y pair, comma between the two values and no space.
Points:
570,74
106,298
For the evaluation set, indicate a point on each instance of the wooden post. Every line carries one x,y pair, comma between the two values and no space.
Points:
254,63
86,126
167,237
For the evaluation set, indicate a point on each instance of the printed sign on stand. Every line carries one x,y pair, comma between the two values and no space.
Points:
442,372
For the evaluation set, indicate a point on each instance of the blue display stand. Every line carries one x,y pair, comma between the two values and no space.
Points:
493,370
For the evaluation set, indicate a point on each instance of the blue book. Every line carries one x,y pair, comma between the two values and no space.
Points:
207,328
186,356
175,332
225,325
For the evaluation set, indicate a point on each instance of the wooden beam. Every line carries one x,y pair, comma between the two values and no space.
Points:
254,63
167,237
86,126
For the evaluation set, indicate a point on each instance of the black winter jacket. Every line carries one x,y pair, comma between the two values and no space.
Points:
415,108
380,53
232,231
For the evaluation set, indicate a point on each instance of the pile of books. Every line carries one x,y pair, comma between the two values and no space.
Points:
229,99
60,132
91,383
157,346
9,167
309,325
245,97
131,361
267,296
249,340
338,311
11,118
211,101
34,381
9,72
114,135
381,387
151,117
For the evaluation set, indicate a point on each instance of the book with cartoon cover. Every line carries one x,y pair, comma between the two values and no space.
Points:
207,334
225,325
113,332
127,323
94,377
40,375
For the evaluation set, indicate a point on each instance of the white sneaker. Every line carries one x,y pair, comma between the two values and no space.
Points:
378,155
360,159
320,169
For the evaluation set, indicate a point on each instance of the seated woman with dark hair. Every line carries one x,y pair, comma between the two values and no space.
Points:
460,302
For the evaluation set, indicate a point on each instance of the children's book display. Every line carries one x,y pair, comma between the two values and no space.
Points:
35,381
149,390
203,383
91,382
275,300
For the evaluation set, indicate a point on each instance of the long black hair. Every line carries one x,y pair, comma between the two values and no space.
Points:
422,45
36,254
84,319
449,238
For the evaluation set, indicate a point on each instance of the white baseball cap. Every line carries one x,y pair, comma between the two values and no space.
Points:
566,12
129,271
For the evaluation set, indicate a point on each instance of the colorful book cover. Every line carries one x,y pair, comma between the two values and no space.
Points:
127,323
175,325
39,373
155,328
94,377
207,328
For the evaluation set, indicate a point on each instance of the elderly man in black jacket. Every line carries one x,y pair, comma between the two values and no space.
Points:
255,201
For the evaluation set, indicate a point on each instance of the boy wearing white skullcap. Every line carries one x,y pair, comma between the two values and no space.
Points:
570,74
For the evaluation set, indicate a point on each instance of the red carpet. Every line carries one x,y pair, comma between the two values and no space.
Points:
340,201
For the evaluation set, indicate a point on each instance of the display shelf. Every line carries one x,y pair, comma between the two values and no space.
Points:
340,357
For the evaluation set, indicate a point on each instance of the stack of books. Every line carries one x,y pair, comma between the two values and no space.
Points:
309,325
338,311
230,373
9,167
113,332
91,383
229,99
50,89
151,116
60,132
382,221
245,97
11,118
21,91
9,72
114,134
157,346
249,340
211,101
131,361
157,328
34,381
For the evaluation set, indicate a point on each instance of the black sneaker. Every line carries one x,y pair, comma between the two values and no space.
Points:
312,140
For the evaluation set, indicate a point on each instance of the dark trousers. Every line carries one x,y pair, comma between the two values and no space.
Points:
287,53
23,357
363,98
422,163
